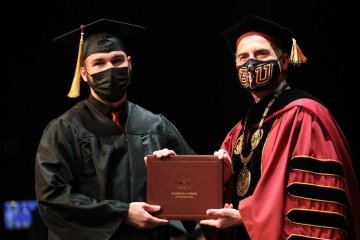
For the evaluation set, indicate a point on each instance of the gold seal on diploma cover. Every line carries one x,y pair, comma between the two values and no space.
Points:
243,182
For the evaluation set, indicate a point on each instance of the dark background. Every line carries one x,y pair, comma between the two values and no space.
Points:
181,68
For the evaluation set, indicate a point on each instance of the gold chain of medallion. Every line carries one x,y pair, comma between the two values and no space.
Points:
244,177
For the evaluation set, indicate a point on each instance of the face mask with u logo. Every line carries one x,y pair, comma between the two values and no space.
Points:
257,75
111,84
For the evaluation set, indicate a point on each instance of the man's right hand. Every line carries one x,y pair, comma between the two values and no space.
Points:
228,169
140,217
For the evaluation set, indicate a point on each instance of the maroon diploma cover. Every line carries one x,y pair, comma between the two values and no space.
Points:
185,186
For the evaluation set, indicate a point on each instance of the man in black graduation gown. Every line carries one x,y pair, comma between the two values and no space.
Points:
90,173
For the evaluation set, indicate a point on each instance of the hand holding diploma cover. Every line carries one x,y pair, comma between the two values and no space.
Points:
185,186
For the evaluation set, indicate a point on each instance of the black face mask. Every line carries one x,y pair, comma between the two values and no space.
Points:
111,84
256,75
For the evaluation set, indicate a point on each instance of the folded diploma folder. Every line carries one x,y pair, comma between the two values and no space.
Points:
185,186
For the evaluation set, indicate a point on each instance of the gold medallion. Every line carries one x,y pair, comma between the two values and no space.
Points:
256,137
243,182
244,177
239,144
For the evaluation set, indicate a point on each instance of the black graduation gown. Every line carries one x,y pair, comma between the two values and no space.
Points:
87,171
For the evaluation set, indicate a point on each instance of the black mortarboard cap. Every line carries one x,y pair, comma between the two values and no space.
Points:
98,31
103,35
282,35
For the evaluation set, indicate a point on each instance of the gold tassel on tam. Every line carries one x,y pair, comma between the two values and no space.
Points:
75,86
296,56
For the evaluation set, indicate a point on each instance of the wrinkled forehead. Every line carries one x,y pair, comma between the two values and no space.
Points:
254,43
278,35
260,34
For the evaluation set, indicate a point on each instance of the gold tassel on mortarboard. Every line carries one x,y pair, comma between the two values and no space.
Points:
296,56
75,86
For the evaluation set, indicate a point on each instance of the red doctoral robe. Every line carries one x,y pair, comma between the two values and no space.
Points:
292,192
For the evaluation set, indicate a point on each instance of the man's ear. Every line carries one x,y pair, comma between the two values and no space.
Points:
130,66
284,61
83,74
